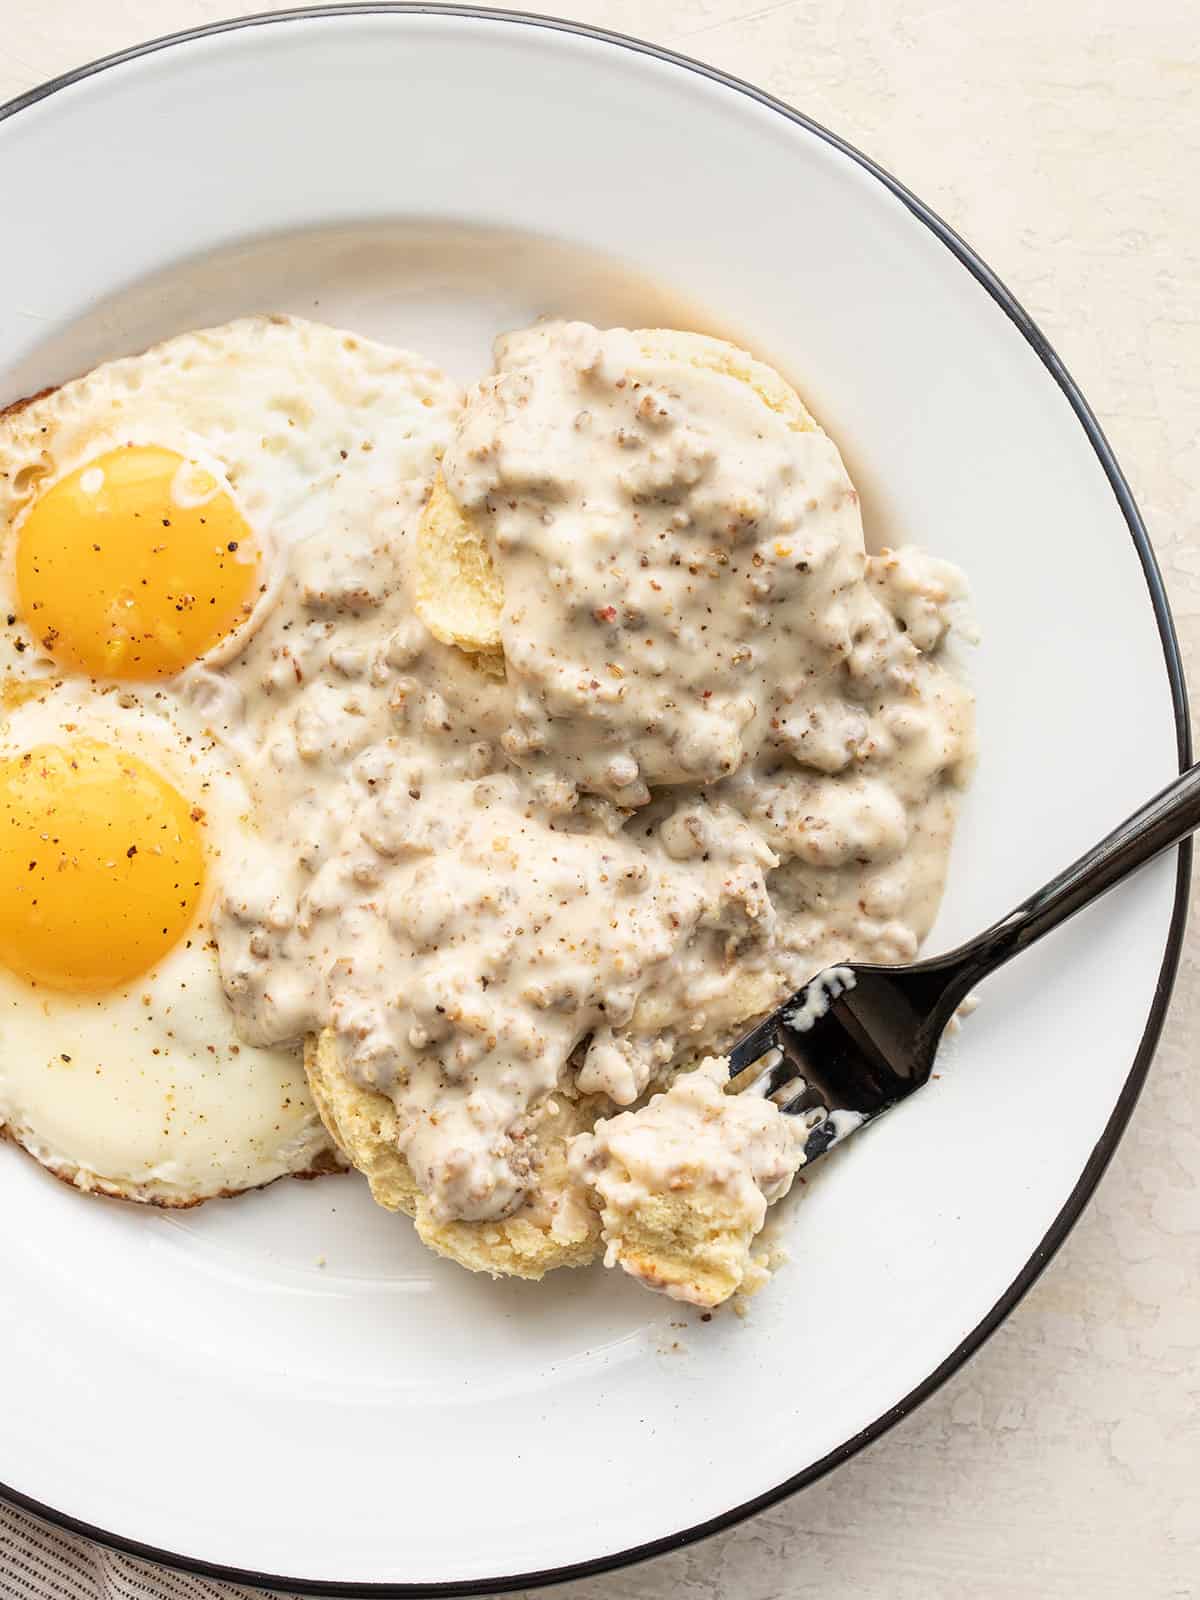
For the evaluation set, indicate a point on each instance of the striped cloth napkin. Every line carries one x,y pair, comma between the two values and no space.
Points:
39,1562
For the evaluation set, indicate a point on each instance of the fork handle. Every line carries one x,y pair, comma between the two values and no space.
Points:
1160,823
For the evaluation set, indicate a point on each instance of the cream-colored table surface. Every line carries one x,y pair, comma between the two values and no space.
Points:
1062,138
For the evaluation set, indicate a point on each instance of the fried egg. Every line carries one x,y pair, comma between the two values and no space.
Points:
151,514
119,1065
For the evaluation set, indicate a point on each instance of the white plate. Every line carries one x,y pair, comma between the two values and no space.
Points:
196,1387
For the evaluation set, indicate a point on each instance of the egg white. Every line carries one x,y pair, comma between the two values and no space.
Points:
145,1091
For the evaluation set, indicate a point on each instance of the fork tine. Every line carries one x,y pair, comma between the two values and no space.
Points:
776,1075
820,1139
843,1049
829,1128
803,1097
759,1042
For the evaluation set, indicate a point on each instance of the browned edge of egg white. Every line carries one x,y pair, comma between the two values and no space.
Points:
13,406
326,1164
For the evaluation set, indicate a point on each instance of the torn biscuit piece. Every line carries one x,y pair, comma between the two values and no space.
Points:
683,1184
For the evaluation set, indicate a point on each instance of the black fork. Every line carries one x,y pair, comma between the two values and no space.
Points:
857,1039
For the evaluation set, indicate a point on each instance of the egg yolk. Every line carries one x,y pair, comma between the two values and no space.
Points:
135,565
101,865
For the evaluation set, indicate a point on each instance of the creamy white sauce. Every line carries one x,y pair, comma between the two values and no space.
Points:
819,995
844,1124
717,762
